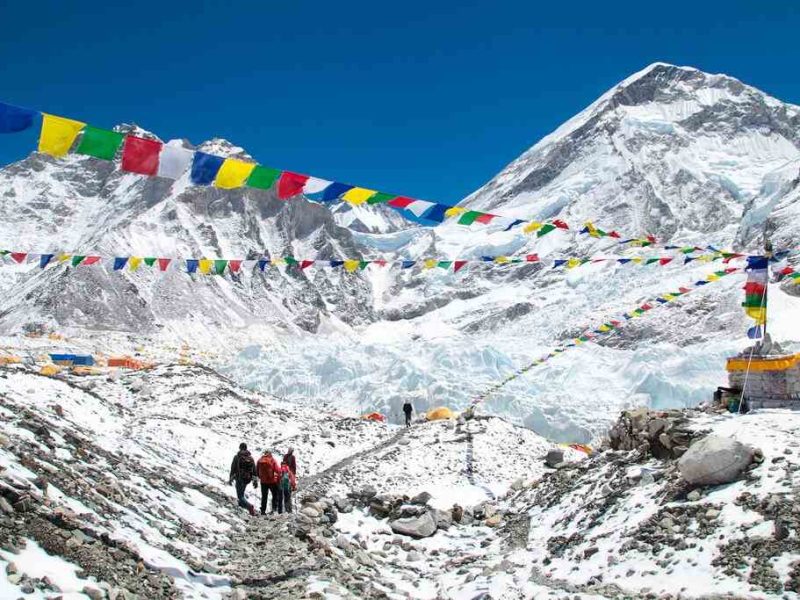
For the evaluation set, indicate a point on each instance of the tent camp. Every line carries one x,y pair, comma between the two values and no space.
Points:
439,414
72,360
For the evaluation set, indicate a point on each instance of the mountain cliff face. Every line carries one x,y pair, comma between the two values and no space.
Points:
689,157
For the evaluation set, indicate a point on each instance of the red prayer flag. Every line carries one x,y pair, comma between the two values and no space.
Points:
380,262
140,155
485,218
614,234
730,270
163,263
651,239
234,265
645,306
784,271
615,323
90,260
19,256
753,287
400,202
532,258
684,290
597,260
304,264
664,261
458,264
291,184
560,224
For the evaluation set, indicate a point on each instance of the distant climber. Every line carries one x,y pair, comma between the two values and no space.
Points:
243,471
287,484
269,472
289,461
408,409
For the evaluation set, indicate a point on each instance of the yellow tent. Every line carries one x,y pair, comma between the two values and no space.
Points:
49,370
439,414
10,360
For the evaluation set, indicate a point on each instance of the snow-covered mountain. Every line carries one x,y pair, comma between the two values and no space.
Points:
690,157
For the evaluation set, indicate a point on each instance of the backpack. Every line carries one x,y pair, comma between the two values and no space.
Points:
247,467
286,482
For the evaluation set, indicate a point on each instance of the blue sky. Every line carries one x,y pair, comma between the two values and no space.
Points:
425,99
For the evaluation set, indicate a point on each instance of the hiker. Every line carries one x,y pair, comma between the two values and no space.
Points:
408,409
287,484
269,472
289,461
243,471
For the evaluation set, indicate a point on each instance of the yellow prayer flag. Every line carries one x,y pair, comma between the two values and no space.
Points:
501,260
58,134
573,262
637,260
204,265
532,226
134,262
430,263
351,265
277,261
358,195
604,328
454,211
233,173
712,277
759,314
63,257
705,258
591,229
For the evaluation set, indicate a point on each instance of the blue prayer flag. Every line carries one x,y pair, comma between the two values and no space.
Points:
755,333
120,262
336,263
559,262
15,118
191,265
757,263
334,190
514,224
262,264
407,264
205,168
44,259
435,213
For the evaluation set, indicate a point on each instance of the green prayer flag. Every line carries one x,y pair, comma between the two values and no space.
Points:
639,311
150,261
650,261
263,178
219,266
444,264
687,250
290,260
100,143
380,198
76,260
754,300
468,218
546,228
363,264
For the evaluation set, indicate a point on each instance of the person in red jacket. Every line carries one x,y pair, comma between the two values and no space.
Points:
269,473
287,484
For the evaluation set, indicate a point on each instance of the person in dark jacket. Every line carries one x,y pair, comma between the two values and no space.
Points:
243,471
408,409
269,473
289,461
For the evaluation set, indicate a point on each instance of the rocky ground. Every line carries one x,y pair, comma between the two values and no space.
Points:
114,488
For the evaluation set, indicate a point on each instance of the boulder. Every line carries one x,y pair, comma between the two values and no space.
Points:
554,457
444,519
714,460
421,526
422,498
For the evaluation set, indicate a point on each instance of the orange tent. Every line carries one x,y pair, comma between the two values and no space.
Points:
374,417
125,362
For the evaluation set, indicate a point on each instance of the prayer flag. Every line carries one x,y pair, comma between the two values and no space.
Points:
435,213
315,185
233,173
665,261
262,264
546,228
58,135
91,260
429,263
756,332
407,264
334,191
458,264
191,265
140,155
163,263
234,265
19,257
380,198
173,161
120,262
263,178
469,217
532,258
134,262
76,260
485,218
560,224
219,266
205,265
306,263
513,224
44,259
400,202
150,261
290,184
418,207
205,168
454,211
14,119
100,143
532,226
351,266
336,263
357,195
